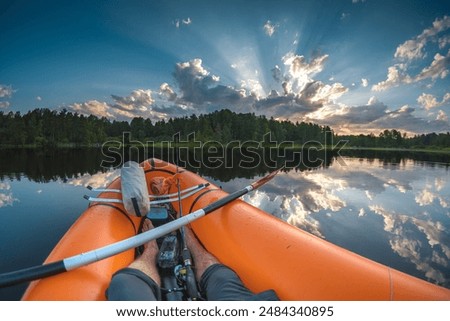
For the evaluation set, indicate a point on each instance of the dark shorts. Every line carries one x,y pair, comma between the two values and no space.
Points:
218,283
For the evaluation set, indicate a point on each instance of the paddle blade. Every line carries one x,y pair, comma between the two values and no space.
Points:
265,179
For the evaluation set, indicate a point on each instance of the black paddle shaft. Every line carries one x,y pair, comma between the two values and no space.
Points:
224,201
29,274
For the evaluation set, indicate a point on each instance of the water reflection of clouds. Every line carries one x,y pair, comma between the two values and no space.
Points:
295,197
97,180
427,197
6,195
367,188
287,208
405,242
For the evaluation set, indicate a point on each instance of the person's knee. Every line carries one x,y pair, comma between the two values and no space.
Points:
132,285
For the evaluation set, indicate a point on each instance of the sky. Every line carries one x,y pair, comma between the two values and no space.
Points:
359,66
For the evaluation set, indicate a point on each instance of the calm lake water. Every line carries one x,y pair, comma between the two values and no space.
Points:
393,208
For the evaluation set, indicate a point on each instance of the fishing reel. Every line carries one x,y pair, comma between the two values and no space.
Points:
177,277
185,275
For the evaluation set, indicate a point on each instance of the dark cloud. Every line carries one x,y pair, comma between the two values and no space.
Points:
199,87
277,74
167,92
356,115
376,116
404,118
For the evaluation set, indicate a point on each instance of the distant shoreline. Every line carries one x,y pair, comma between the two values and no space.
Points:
184,145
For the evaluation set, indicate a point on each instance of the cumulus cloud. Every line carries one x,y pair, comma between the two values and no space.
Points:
396,75
299,69
297,95
411,49
414,49
313,96
5,92
4,104
198,86
404,118
300,92
429,101
345,115
269,28
198,89
93,107
138,100
167,91
252,87
438,68
139,103
373,116
444,41
442,116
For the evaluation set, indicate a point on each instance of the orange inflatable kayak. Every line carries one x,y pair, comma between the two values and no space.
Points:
266,252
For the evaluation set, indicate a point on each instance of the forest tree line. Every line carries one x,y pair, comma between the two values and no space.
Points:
45,127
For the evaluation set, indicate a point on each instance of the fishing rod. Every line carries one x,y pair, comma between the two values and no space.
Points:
189,276
74,262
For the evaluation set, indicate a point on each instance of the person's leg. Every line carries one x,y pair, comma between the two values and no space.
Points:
140,281
147,261
132,285
202,258
217,281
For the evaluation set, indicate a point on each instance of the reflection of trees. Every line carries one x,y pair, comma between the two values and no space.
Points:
399,157
224,165
48,165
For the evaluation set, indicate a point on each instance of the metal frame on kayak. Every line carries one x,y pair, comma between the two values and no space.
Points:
161,199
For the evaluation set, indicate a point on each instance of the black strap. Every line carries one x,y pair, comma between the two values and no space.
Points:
136,206
199,196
